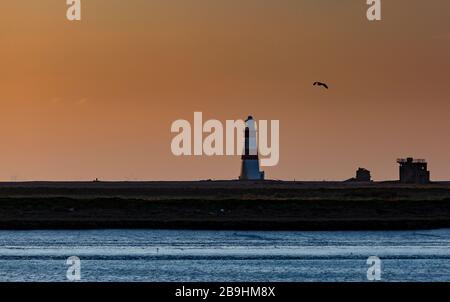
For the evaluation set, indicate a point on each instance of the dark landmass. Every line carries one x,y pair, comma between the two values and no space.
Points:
268,205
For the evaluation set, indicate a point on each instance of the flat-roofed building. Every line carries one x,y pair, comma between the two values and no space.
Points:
413,171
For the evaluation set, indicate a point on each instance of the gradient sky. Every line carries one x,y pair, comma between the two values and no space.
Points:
97,98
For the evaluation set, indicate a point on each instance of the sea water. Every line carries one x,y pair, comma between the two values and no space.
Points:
171,255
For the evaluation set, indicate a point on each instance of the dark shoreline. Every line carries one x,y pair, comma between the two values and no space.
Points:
224,206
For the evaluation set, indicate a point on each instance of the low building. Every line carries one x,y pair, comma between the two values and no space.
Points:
362,175
413,171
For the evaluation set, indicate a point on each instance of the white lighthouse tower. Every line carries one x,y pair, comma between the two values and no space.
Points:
250,160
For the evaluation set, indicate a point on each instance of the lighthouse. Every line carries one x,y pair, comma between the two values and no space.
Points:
250,160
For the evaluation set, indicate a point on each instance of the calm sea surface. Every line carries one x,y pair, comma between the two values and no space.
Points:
162,255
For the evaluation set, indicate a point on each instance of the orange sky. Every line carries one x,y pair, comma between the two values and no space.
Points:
97,98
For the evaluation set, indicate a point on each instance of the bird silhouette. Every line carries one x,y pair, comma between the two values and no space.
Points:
320,84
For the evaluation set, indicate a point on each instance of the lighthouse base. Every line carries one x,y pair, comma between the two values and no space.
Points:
250,170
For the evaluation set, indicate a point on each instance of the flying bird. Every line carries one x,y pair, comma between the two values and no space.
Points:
320,84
